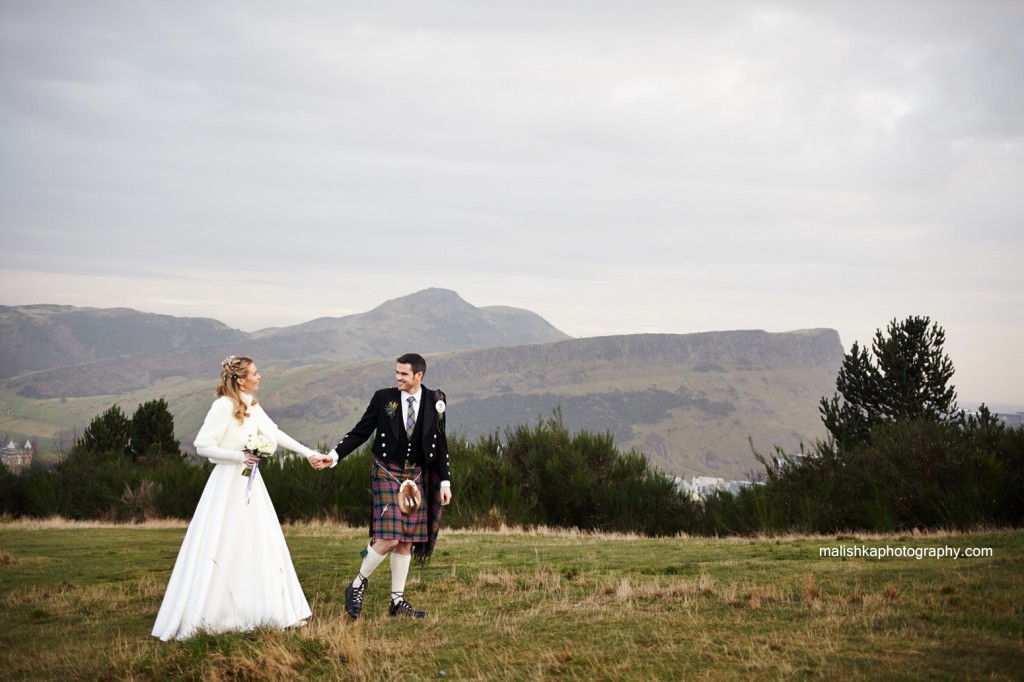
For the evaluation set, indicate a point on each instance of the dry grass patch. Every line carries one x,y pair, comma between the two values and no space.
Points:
706,584
69,599
504,580
271,661
546,532
756,595
60,523
669,591
345,646
60,599
810,591
545,580
320,528
890,592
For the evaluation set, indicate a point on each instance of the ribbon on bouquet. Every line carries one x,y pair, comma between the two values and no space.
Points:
252,475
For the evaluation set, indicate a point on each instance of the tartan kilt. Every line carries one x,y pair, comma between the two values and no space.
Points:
389,523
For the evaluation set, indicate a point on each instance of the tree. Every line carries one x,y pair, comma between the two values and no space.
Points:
153,430
107,433
906,379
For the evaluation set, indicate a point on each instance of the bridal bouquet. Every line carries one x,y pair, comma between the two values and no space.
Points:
261,447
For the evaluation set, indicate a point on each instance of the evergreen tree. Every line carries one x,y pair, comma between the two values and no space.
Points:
907,379
109,432
153,430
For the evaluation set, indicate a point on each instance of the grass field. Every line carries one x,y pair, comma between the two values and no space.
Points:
78,602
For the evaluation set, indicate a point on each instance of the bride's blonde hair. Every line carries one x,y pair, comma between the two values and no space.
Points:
232,369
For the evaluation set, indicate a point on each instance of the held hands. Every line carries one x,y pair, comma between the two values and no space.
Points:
320,462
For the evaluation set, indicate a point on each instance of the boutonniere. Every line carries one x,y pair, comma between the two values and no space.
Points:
390,408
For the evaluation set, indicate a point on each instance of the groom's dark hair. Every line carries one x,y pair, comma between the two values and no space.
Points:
416,360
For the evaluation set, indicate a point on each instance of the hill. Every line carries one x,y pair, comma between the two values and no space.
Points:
692,403
60,351
43,337
433,321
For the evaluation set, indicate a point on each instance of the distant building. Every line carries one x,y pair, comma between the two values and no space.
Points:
15,458
1013,421
735,487
702,487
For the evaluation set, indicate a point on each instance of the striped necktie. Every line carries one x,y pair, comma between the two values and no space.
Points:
410,417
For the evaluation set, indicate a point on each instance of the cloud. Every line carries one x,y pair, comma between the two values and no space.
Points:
645,167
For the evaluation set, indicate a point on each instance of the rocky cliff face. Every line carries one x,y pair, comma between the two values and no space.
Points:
693,403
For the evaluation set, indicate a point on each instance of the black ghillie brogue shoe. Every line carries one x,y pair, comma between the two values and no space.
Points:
402,608
354,599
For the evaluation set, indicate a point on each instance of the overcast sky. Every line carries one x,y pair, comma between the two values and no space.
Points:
616,167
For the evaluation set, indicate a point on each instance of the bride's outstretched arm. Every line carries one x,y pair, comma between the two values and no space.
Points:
289,443
270,429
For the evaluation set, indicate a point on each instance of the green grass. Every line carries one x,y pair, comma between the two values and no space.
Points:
77,601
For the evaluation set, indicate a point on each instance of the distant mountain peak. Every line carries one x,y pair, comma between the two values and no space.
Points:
436,293
425,299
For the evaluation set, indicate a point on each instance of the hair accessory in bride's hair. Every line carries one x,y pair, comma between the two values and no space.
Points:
227,365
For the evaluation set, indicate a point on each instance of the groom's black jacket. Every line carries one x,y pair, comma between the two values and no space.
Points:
385,420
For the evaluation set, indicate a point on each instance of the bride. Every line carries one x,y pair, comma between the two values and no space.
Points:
233,571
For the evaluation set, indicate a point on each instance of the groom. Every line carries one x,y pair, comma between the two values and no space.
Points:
408,426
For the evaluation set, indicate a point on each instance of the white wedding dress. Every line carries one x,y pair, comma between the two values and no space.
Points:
234,571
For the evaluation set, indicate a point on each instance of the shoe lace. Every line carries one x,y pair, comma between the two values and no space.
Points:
357,593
